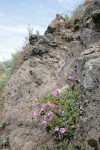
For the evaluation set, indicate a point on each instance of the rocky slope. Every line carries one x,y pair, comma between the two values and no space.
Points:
67,47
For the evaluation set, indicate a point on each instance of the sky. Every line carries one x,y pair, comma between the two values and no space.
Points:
16,15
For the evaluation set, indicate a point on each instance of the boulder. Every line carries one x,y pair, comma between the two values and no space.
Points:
48,59
32,80
88,76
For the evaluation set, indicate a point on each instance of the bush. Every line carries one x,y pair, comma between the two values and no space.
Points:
66,34
59,114
7,67
4,140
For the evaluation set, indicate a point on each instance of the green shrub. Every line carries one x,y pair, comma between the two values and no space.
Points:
66,34
7,67
4,140
15,57
59,113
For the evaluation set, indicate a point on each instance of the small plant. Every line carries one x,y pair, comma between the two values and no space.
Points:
29,33
59,113
73,147
62,145
44,147
2,125
30,30
66,34
69,36
4,140
6,69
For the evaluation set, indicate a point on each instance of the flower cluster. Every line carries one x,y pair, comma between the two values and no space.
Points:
58,113
44,111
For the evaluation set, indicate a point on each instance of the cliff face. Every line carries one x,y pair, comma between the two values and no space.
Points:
68,47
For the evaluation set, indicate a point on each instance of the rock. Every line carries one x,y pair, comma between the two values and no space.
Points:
33,39
27,138
34,78
96,16
39,50
88,22
89,36
58,21
85,36
89,79
40,46
5,149
50,58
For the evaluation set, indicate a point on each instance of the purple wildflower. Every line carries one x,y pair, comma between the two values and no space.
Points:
45,117
44,105
50,113
50,119
35,103
55,93
44,122
51,105
36,114
62,130
71,78
56,128
42,109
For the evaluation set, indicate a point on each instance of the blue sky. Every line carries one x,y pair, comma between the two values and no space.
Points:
15,15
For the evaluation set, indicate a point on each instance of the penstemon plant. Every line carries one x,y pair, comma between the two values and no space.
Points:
59,113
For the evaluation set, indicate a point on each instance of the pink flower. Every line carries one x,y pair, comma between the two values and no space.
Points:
44,122
35,103
55,93
50,113
56,128
44,105
45,117
36,114
50,119
42,109
71,78
51,105
62,130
